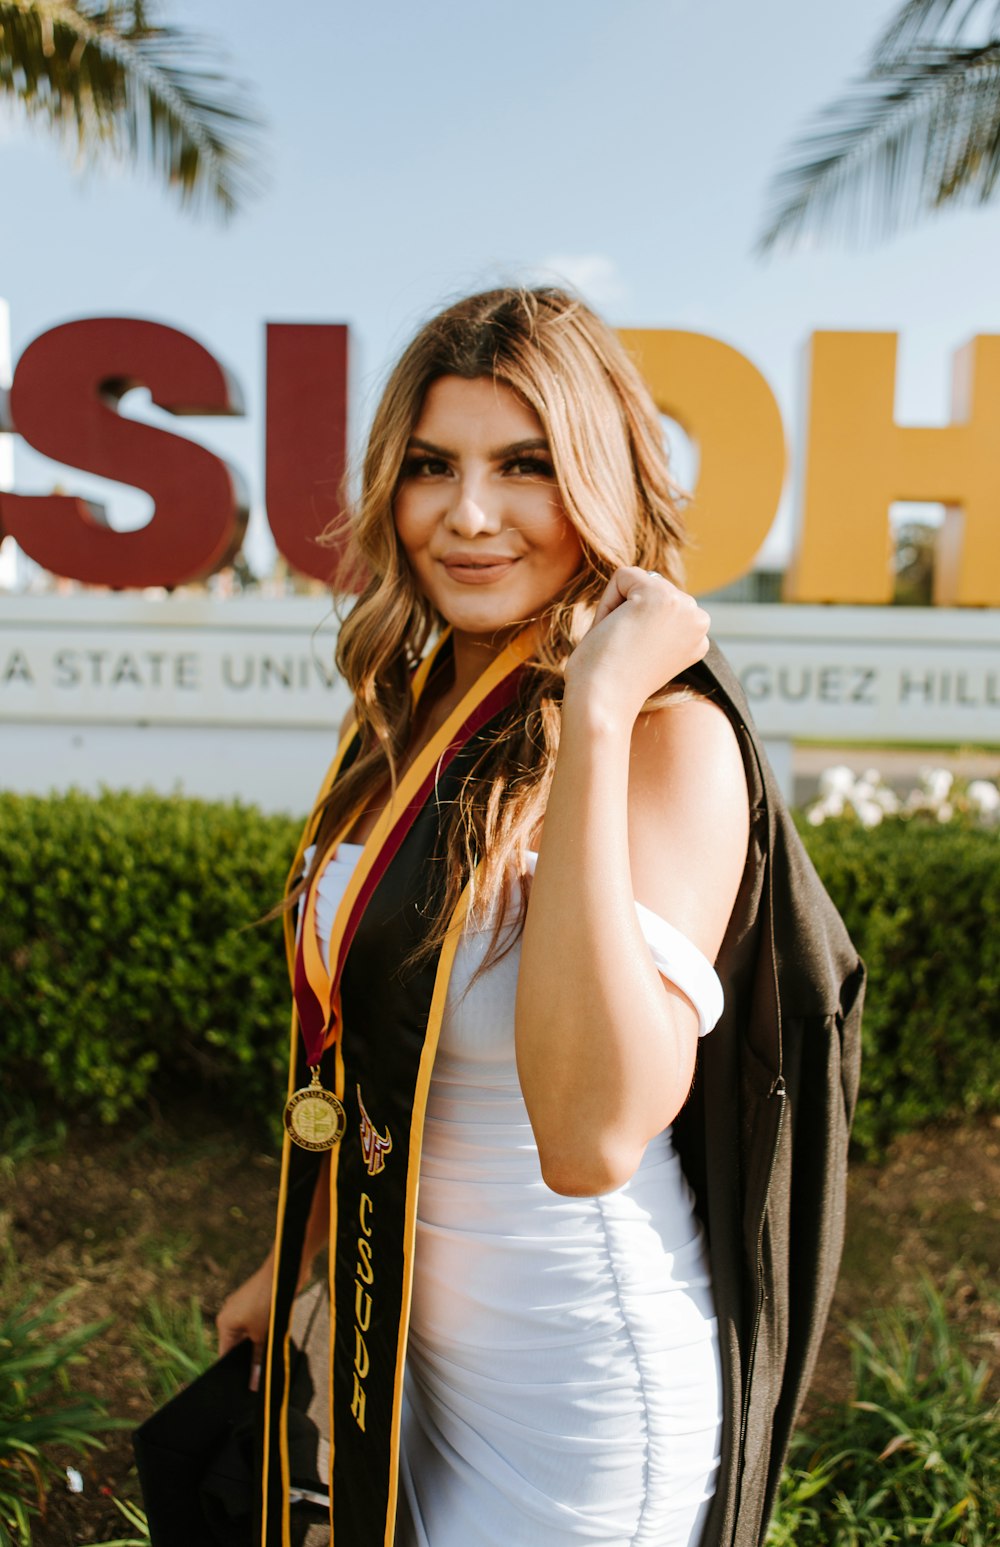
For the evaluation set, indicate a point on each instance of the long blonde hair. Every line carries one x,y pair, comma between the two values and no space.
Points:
607,449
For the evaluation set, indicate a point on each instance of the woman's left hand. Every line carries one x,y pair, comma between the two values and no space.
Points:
645,631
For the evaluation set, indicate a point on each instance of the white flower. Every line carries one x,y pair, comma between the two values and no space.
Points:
936,782
871,799
74,1480
984,797
836,781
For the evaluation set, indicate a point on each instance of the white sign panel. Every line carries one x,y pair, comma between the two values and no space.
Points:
892,674
867,674
123,660
241,698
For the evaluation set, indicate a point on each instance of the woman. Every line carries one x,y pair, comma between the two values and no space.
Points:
518,876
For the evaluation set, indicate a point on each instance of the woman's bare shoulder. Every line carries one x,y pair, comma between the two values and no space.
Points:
689,817
690,742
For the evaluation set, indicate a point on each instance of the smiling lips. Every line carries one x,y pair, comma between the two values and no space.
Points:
477,569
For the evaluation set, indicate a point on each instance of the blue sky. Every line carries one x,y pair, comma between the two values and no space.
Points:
415,152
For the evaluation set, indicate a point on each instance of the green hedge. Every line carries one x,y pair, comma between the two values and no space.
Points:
127,969
922,903
131,967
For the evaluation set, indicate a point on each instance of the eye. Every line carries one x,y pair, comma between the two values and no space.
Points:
423,466
534,466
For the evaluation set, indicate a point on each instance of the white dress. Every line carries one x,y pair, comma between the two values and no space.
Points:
563,1379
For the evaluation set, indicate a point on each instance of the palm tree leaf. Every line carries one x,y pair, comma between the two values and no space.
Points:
904,141
934,21
114,82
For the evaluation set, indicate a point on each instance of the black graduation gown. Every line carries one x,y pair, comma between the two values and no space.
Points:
764,1135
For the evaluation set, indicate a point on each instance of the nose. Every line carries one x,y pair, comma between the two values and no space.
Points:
472,508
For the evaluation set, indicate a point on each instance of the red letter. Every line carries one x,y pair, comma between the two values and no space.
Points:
63,401
306,439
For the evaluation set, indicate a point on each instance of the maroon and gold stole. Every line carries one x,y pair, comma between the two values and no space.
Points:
370,1026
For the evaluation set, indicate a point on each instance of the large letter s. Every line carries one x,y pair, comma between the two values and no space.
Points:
63,401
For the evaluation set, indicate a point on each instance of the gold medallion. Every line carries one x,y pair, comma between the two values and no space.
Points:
315,1119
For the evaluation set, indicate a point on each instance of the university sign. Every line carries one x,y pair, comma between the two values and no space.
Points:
64,402
869,673
188,689
856,460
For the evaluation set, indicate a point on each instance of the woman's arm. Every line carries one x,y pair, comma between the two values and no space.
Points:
246,1313
652,809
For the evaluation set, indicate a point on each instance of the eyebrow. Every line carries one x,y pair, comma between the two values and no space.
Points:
535,443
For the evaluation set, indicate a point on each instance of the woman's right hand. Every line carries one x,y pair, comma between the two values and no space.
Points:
246,1313
645,631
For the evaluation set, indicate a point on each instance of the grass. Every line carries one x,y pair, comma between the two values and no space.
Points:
159,1203
42,1418
38,1411
27,1135
173,1344
168,1250
136,1518
913,1458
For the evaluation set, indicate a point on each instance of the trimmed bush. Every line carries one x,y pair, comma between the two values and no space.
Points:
131,967
922,904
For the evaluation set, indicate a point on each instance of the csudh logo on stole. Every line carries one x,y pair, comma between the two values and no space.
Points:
375,1146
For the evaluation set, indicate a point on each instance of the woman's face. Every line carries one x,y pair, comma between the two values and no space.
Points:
478,509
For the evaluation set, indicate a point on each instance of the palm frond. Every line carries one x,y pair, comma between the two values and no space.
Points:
903,142
115,82
932,21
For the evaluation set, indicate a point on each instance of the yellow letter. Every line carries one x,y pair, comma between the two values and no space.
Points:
363,1267
362,1299
358,1401
728,409
365,1206
360,1355
859,461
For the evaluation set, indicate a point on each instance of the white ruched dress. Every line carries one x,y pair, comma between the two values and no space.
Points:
563,1380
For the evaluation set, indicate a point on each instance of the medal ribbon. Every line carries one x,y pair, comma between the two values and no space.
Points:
315,988
305,1001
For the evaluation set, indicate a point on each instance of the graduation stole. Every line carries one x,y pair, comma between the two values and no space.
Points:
368,1030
